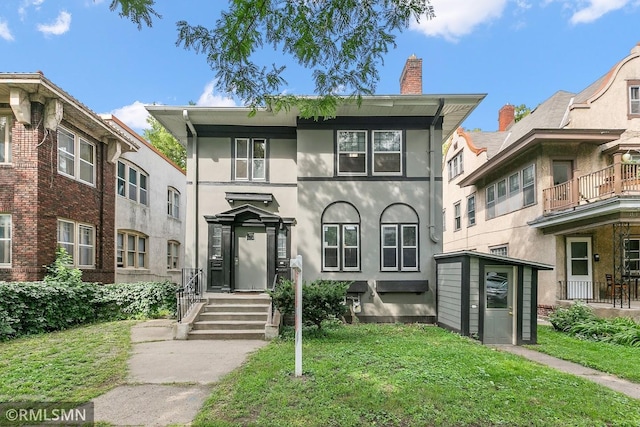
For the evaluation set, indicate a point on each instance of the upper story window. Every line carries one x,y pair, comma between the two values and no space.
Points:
502,250
471,210
353,148
634,97
250,159
76,157
79,242
5,240
5,139
173,203
131,249
516,191
457,217
455,166
133,183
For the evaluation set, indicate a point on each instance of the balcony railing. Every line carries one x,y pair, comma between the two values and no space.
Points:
615,180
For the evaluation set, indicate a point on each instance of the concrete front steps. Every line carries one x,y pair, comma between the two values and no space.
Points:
232,316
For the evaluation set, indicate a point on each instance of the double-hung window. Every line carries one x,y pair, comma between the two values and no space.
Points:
399,250
173,203
387,152
340,247
131,249
76,157
471,210
457,217
132,183
79,242
5,139
5,240
632,255
455,166
173,251
352,152
250,159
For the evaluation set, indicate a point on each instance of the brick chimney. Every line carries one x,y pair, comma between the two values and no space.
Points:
506,117
411,77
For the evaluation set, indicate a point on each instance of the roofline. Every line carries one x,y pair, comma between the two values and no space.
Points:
538,136
141,140
39,79
588,211
493,257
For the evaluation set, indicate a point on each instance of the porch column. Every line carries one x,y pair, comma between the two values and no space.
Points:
271,253
227,257
617,173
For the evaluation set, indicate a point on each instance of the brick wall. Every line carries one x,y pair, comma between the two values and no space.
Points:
411,77
40,195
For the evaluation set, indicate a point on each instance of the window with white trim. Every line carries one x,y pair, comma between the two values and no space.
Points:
173,253
634,99
455,166
387,152
502,250
79,241
173,203
471,210
457,217
132,183
632,255
399,250
340,247
76,157
507,195
250,159
5,240
131,249
5,139
352,152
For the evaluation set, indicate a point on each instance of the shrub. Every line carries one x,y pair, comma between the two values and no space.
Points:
61,272
563,319
321,300
137,300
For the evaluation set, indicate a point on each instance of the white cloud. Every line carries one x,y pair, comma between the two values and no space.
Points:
22,10
133,115
209,99
60,26
5,33
457,18
596,9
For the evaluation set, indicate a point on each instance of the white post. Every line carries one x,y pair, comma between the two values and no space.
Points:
296,265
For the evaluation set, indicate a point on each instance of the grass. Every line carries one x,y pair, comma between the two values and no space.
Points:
406,375
75,365
621,361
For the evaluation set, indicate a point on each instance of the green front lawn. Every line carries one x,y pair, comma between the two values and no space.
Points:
618,360
75,365
406,375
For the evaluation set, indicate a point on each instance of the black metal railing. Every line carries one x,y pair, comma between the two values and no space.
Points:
191,291
272,308
599,292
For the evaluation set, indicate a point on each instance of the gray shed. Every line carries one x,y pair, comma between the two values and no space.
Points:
489,297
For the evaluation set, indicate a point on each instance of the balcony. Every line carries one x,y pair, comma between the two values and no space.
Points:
619,179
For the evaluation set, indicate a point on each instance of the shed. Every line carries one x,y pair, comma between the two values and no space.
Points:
489,297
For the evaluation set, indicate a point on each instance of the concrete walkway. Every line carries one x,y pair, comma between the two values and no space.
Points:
168,380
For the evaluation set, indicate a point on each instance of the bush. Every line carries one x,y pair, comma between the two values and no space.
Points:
563,319
37,307
321,300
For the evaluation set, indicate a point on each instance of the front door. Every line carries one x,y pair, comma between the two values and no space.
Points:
498,313
250,259
579,268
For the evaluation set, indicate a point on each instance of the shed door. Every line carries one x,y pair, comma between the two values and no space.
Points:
499,297
579,268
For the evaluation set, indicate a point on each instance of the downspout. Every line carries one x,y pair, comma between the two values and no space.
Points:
185,115
432,175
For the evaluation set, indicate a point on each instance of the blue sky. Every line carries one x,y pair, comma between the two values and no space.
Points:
515,51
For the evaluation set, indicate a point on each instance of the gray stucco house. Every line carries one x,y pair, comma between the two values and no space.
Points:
358,196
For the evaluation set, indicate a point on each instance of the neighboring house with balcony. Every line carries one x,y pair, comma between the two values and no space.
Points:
560,187
150,213
57,181
358,195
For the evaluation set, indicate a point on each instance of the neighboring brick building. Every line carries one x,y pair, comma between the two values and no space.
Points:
57,181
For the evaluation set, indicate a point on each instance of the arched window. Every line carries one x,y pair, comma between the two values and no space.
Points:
399,238
340,237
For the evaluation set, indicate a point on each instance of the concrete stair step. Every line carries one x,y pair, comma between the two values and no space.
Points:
253,299
226,335
233,315
229,325
254,308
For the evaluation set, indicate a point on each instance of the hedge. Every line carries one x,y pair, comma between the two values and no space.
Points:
36,307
